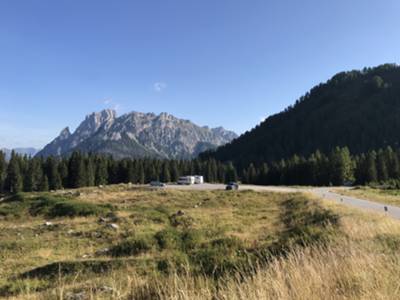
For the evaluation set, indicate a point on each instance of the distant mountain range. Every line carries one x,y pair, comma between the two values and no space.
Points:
22,151
359,109
137,135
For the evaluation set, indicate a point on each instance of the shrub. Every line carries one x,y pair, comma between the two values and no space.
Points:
75,208
53,206
18,197
9,210
168,239
190,239
42,205
220,256
132,247
181,220
176,262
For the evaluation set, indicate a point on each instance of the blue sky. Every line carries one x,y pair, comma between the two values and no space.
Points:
225,62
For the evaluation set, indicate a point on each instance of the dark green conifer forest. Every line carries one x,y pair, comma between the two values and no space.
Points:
338,167
359,110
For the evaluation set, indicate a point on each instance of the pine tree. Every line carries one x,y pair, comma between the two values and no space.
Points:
210,175
90,172
230,173
251,174
370,168
63,172
33,176
51,171
341,166
131,174
112,171
245,176
263,174
44,184
14,178
3,168
166,176
381,167
141,177
101,171
152,172
392,163
76,171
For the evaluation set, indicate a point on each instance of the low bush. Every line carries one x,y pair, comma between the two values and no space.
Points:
181,221
75,209
220,256
53,206
175,262
43,204
132,247
7,210
18,197
168,239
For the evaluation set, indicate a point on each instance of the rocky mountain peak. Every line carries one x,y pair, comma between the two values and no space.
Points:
65,133
98,119
138,134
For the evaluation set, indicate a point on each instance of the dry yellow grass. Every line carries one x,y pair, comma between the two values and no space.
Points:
362,262
391,197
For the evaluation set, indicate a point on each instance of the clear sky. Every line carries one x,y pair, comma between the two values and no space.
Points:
215,62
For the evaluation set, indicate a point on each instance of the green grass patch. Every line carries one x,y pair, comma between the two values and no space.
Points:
133,246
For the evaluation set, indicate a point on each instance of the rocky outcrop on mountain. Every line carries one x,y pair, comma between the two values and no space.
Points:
138,135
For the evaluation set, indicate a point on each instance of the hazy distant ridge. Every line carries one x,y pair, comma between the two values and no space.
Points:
22,151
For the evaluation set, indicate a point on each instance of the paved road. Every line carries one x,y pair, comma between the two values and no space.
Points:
325,193
211,187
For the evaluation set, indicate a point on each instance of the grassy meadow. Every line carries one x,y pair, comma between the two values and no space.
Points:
377,194
122,242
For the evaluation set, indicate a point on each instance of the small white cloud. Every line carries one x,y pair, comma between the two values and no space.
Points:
110,103
107,101
159,86
262,119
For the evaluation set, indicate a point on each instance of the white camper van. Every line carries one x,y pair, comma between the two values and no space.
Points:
188,180
198,179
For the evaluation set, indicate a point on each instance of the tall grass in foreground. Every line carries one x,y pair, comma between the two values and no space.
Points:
334,272
353,267
362,262
347,271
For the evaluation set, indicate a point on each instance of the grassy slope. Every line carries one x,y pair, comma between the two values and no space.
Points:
386,196
251,245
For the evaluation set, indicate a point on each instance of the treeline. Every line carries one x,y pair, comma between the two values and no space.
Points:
27,174
338,167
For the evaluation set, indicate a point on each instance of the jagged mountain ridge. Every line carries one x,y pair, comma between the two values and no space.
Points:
138,134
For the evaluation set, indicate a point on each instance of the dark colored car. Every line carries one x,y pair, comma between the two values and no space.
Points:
157,183
232,186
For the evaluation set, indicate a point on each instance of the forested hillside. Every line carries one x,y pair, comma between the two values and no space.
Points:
357,109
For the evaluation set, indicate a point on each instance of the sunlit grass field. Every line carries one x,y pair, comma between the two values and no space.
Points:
386,196
122,242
